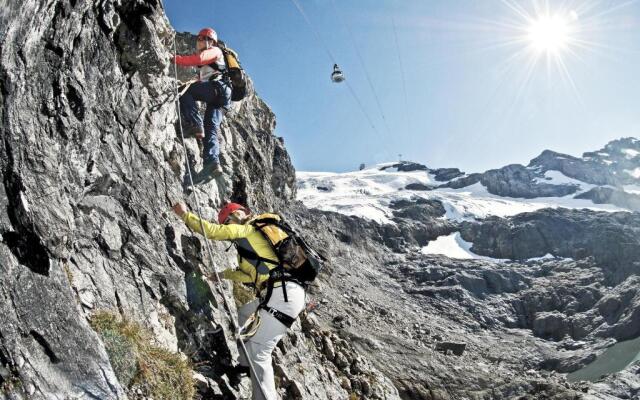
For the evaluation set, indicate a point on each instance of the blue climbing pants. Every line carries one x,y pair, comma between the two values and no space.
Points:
217,96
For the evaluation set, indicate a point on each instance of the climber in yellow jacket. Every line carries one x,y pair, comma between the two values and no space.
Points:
231,227
277,312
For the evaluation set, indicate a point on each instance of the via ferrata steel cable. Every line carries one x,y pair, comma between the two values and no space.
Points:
234,324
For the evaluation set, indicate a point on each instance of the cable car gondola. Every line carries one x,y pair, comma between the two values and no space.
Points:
336,75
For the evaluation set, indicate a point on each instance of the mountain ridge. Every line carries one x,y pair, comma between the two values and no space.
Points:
574,182
594,167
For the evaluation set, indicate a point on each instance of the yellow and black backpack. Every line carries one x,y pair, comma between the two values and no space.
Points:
297,261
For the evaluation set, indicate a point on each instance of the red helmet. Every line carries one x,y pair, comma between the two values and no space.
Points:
229,208
208,33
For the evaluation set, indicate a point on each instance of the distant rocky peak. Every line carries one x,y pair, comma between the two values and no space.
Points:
439,174
548,158
405,166
620,145
617,151
617,164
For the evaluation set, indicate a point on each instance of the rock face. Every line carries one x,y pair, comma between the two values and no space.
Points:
612,165
446,174
407,166
585,170
91,163
518,181
612,239
607,195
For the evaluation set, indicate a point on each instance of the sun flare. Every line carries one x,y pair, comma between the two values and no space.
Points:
549,33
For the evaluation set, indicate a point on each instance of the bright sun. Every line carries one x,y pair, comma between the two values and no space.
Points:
549,33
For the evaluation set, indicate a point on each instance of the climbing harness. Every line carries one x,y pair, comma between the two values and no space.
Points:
218,283
280,316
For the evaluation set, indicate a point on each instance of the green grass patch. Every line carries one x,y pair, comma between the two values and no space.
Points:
139,364
11,385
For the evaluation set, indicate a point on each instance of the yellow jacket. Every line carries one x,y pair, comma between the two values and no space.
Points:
245,236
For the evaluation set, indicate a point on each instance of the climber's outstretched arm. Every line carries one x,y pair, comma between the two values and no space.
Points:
211,230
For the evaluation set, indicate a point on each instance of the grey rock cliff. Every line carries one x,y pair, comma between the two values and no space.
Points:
612,239
518,181
91,163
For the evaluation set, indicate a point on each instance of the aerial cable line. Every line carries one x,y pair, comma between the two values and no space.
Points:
404,84
364,111
313,29
333,60
353,93
234,325
363,64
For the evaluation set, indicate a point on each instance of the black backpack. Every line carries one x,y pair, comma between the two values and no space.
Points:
234,72
297,261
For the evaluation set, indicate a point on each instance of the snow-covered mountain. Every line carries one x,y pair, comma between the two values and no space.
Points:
604,180
607,180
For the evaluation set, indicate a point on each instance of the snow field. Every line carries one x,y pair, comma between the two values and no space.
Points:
630,153
634,173
454,246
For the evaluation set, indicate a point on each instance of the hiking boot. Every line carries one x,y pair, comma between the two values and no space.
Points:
235,374
210,170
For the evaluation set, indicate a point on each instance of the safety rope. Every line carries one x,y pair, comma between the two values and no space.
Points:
404,84
363,65
218,282
333,60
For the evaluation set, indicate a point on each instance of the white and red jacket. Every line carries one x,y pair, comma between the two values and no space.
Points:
203,61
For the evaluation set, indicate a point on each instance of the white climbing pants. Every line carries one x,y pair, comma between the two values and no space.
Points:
261,345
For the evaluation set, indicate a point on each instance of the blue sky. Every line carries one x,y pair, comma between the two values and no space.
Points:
473,101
